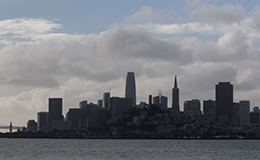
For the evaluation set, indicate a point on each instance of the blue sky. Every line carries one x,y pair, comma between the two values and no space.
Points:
83,17
78,50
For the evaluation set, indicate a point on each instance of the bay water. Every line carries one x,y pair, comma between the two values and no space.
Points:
98,149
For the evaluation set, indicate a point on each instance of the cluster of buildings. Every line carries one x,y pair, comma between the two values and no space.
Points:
87,114
223,109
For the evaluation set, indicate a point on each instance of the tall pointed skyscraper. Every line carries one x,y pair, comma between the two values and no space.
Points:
130,87
175,99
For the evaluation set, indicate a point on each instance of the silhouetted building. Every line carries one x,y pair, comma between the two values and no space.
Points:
118,106
83,104
42,121
224,101
160,101
90,116
55,111
31,126
10,127
142,105
209,108
236,112
192,107
106,97
255,118
103,116
256,109
60,125
244,109
99,103
175,99
73,115
130,87
150,100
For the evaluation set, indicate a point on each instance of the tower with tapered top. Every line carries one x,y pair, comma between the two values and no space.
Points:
175,99
130,87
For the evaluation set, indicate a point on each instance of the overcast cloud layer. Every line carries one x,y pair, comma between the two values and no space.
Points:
218,43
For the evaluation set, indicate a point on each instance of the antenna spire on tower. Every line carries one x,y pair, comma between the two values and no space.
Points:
175,82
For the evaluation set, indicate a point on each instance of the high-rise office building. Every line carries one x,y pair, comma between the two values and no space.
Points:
255,116
192,107
130,87
209,108
73,115
100,103
55,111
118,106
244,109
105,101
160,101
224,101
150,100
83,104
175,99
42,121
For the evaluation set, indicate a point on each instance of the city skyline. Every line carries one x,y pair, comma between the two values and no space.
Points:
223,110
79,50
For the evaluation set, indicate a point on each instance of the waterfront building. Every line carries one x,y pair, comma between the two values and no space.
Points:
55,111
105,101
175,99
73,115
60,125
31,126
42,121
130,91
224,101
244,109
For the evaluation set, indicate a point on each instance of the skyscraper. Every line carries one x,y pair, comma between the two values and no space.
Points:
160,100
42,120
192,107
55,111
244,109
224,100
105,101
209,108
130,87
118,106
175,99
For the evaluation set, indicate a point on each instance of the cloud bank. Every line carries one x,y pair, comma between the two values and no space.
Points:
42,63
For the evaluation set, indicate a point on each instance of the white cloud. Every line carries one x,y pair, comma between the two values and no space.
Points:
94,57
26,28
226,14
232,46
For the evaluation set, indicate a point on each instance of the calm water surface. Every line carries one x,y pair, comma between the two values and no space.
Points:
62,149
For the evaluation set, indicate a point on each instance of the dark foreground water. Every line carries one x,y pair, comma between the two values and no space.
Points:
78,149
